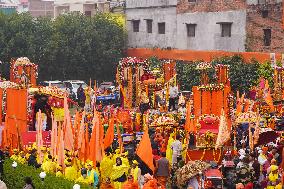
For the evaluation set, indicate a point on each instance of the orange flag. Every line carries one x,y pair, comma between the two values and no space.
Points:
68,134
267,95
109,134
119,137
144,150
81,134
188,117
53,137
39,140
95,143
61,154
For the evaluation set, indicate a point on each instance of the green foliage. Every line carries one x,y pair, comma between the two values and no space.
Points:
187,75
242,75
14,178
266,71
72,46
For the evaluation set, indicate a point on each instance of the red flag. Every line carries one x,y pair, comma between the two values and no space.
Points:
109,134
144,150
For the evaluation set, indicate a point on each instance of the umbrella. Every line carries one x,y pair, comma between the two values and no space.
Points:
190,170
266,137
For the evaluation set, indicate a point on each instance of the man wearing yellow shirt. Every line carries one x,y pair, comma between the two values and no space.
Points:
84,179
70,171
59,171
49,166
15,155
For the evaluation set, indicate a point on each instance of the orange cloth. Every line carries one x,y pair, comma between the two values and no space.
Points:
162,181
151,184
106,186
109,134
130,185
144,150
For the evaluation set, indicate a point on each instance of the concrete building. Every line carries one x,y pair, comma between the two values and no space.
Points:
8,7
87,7
39,8
230,25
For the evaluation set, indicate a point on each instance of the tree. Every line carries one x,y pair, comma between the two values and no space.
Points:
72,46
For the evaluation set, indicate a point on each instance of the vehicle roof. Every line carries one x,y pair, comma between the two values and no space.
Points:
106,83
74,81
56,81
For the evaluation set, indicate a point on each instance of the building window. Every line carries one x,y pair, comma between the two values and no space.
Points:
88,13
267,37
226,29
149,25
162,28
136,24
264,13
190,30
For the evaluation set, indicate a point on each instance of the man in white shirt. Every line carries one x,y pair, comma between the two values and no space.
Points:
177,148
173,97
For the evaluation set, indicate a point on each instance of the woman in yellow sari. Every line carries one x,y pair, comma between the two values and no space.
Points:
169,152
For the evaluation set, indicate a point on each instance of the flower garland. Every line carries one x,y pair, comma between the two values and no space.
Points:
204,66
201,158
130,62
23,62
211,87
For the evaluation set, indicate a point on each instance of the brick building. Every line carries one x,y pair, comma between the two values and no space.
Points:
39,8
230,25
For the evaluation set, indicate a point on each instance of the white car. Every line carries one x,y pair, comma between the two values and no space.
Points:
74,85
56,83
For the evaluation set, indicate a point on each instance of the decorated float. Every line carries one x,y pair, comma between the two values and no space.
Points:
211,112
21,99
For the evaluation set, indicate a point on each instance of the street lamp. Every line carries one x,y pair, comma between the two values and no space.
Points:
14,164
42,175
76,186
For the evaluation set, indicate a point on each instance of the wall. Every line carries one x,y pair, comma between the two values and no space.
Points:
208,32
256,24
149,3
149,40
184,6
39,8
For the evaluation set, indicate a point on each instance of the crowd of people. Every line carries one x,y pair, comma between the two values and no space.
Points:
116,170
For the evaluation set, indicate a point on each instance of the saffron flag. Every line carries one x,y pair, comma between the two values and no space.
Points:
61,154
95,143
144,150
267,96
39,140
81,134
68,134
224,133
54,138
109,134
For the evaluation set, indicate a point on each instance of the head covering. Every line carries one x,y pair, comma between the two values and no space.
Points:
89,163
239,186
242,152
274,167
148,176
241,157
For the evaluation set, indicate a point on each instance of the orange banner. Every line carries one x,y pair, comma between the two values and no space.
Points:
196,101
190,55
16,113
